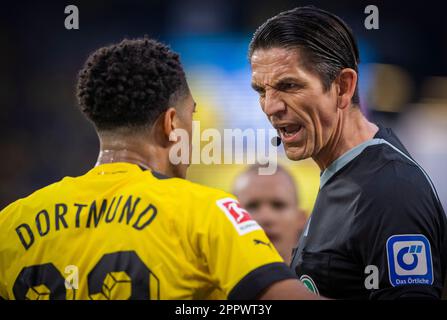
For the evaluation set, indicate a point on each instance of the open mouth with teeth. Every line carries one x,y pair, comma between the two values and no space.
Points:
290,132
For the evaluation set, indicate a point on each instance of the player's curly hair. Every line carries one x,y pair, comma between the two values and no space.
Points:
130,84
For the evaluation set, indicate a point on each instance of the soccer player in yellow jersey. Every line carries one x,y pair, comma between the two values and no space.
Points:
132,227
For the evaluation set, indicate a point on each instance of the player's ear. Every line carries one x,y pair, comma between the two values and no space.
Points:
346,83
163,128
170,123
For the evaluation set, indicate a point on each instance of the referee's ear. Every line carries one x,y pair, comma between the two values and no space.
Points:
346,83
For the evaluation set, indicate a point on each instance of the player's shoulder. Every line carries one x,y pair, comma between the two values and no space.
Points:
34,199
195,191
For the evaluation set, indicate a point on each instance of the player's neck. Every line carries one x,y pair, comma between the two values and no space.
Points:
352,129
144,155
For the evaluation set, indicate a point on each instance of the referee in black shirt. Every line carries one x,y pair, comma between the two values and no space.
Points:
378,230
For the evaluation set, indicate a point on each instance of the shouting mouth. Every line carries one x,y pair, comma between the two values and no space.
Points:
289,133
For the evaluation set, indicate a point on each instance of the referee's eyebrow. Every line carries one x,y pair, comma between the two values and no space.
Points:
288,80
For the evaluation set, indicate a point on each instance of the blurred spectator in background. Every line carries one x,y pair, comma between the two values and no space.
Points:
272,200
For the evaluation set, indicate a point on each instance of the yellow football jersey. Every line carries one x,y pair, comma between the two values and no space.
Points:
122,232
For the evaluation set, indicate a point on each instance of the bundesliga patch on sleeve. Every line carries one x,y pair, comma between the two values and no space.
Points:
409,260
238,216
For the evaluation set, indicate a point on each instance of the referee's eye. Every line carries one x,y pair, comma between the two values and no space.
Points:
260,90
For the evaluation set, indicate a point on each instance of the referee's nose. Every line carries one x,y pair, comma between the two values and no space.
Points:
273,104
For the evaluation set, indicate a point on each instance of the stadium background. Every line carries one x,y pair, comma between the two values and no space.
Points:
403,79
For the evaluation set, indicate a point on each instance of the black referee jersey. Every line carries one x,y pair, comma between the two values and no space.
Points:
378,230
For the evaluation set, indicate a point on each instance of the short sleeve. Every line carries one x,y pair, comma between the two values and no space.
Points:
240,257
400,228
